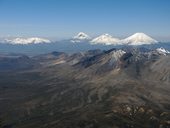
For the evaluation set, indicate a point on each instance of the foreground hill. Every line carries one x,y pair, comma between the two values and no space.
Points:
117,88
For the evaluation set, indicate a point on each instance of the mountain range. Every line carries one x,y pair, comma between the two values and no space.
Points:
117,88
79,43
106,39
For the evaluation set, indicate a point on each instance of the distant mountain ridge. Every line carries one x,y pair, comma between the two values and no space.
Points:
105,39
79,43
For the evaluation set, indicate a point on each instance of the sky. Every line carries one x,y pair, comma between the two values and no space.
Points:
61,19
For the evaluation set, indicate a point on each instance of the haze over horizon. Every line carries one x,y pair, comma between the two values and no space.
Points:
64,19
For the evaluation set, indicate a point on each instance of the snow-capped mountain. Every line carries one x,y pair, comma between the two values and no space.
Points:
24,41
105,39
80,37
139,39
162,51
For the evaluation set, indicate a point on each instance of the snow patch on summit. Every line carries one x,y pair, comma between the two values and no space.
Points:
116,55
162,51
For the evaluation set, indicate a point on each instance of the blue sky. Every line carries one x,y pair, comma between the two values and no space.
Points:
65,18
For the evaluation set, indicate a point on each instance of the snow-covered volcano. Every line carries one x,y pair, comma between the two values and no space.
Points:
105,39
81,36
24,41
139,39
